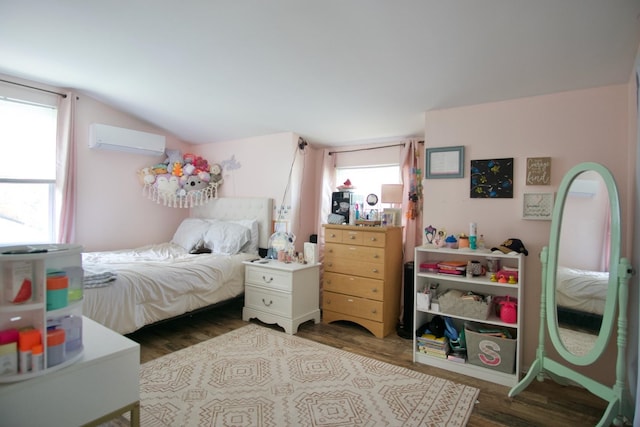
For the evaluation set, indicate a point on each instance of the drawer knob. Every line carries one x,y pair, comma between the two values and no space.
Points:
328,281
265,280
352,237
328,301
265,303
375,270
374,311
374,290
373,239
330,251
333,235
376,256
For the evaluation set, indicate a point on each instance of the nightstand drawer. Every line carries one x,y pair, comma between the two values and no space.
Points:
268,277
268,300
359,307
353,285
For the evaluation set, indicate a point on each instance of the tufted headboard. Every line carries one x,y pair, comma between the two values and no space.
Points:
259,208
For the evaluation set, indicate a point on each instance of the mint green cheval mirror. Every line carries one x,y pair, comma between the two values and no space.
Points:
619,409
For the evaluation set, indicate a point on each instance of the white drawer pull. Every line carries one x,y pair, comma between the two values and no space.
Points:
375,270
265,303
349,300
265,280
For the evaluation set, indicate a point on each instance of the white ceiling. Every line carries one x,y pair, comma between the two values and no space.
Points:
332,71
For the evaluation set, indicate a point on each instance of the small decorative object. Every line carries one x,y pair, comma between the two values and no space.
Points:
493,277
451,242
508,311
346,186
492,179
463,241
441,235
429,234
512,280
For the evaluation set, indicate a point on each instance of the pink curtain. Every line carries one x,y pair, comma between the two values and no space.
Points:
65,170
411,166
327,186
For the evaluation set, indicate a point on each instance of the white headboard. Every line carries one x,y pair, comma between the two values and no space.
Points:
259,208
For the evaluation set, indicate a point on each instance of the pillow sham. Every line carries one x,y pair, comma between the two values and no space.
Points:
252,246
227,238
190,232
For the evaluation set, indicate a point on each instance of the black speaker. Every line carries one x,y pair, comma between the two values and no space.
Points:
405,329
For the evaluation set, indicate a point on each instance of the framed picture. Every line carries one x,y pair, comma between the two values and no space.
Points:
445,162
538,170
537,206
491,179
281,226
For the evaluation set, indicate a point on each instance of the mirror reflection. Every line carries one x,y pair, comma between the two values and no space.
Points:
582,277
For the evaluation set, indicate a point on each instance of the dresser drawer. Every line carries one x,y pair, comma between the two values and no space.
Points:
373,238
357,268
353,285
354,252
268,300
268,277
354,306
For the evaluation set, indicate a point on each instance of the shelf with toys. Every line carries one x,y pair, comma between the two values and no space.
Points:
477,293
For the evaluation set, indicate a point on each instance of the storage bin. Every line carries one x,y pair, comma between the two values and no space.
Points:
488,351
451,302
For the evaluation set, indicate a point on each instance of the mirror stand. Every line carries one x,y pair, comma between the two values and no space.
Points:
618,271
620,407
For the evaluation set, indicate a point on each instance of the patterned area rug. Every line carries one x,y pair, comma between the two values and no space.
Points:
256,376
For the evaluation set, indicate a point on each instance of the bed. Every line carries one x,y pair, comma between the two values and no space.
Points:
581,297
200,267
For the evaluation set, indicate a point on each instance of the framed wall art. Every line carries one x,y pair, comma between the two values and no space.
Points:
538,171
492,179
444,162
537,206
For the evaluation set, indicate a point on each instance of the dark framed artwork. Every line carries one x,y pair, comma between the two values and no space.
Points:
492,179
445,162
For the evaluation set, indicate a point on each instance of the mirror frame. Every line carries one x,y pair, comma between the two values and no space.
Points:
606,327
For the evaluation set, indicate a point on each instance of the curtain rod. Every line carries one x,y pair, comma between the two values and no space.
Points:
366,149
33,87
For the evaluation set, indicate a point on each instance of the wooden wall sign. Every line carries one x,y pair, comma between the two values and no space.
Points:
539,171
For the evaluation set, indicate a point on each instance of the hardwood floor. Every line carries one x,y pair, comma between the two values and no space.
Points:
541,404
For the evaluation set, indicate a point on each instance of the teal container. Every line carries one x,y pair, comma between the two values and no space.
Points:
57,292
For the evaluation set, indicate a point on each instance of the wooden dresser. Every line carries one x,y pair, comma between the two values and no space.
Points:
362,276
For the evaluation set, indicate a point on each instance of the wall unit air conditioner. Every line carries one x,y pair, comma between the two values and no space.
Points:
106,137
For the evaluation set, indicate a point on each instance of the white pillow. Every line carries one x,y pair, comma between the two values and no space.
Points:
226,237
190,232
252,246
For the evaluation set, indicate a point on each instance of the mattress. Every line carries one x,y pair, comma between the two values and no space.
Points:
157,282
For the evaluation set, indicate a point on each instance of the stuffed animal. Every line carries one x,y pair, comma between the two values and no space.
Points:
188,169
176,169
202,165
162,183
204,176
216,174
189,158
194,183
146,176
159,169
173,156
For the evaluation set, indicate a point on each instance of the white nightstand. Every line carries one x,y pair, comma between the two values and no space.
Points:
281,293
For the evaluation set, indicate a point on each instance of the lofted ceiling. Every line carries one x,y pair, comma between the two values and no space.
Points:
335,72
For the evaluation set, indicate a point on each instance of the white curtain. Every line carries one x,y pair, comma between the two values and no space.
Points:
633,343
65,170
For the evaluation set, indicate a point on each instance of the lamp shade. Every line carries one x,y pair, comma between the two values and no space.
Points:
391,193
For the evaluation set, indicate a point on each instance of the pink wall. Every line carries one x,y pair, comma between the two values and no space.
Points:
112,214
261,167
570,127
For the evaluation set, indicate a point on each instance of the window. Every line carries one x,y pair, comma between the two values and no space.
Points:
28,174
368,180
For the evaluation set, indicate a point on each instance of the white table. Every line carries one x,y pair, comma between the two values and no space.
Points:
101,385
287,294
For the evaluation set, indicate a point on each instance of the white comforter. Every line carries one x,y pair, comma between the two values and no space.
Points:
158,282
582,290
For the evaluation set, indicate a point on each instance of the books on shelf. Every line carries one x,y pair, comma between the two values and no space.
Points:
433,346
452,267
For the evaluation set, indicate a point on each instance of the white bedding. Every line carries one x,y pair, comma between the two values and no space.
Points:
158,282
582,290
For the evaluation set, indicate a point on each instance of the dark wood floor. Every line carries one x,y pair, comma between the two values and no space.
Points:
541,404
